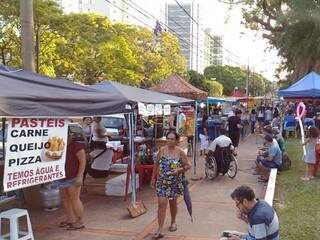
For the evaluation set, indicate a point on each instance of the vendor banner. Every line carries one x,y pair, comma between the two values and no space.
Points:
150,110
167,109
35,152
142,109
158,109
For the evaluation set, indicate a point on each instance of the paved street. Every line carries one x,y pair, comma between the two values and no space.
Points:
107,218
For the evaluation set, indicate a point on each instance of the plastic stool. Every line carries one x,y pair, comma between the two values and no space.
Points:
13,215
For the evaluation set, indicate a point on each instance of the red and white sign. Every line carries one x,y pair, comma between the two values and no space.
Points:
35,152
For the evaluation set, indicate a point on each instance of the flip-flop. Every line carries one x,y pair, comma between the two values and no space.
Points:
173,228
306,179
64,224
73,227
157,236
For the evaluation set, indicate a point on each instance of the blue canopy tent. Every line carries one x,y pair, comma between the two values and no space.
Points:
215,100
307,87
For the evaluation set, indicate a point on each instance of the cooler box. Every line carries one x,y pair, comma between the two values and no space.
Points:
117,186
119,168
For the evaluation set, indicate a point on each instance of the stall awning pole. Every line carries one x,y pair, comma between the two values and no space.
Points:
132,159
194,152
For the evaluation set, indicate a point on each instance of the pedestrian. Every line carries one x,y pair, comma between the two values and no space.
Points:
245,122
87,127
253,119
267,116
261,218
310,157
261,117
272,158
99,134
276,112
168,179
203,135
234,123
70,187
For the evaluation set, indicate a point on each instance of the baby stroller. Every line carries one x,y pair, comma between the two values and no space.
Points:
221,161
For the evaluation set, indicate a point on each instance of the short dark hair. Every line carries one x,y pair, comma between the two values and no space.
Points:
238,111
84,118
243,192
268,138
172,131
222,131
268,129
313,132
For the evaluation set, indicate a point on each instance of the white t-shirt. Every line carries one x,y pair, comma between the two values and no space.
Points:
268,115
221,141
231,113
95,137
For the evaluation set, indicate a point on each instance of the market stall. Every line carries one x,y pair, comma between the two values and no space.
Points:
176,85
34,108
147,103
306,87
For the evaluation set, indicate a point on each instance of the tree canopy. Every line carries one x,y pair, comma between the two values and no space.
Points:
292,27
88,47
235,77
214,88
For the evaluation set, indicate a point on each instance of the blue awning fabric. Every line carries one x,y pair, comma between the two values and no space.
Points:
308,86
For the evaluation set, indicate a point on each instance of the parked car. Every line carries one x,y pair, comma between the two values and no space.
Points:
115,125
79,135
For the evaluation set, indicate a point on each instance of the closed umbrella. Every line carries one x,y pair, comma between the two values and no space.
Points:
187,198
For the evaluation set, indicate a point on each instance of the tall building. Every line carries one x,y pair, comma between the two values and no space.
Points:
116,11
188,31
213,45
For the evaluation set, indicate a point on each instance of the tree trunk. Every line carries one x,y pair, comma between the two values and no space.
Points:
304,68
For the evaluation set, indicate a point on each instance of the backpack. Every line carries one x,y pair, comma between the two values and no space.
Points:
286,162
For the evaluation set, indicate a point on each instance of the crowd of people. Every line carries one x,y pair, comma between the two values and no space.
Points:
171,164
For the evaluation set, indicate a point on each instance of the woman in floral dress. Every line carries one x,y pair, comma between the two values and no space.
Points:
167,178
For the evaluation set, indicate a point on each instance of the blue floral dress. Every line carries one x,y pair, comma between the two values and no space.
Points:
168,185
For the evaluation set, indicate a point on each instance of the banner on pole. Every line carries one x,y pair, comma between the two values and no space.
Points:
150,110
142,109
167,109
158,109
35,152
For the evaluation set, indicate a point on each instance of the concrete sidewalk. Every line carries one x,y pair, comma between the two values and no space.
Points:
213,210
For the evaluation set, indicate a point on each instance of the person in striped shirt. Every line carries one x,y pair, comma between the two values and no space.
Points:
258,214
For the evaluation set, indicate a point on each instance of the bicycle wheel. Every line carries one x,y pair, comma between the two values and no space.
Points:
211,168
233,168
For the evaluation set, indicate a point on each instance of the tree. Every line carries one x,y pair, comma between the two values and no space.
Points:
88,48
198,80
234,77
230,77
292,27
215,88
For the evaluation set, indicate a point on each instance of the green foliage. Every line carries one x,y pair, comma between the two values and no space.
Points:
214,88
88,48
298,201
292,27
234,77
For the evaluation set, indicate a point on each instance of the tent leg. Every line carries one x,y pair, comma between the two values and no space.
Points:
194,150
132,158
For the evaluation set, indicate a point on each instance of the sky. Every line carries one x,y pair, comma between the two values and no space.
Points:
245,43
